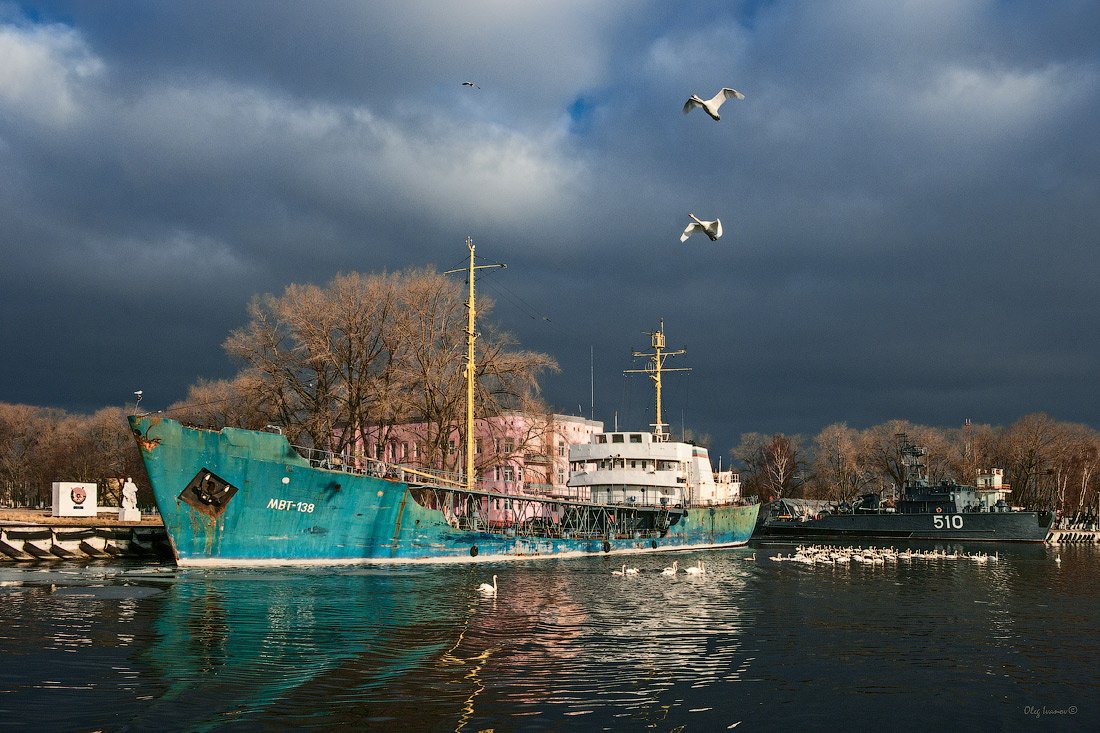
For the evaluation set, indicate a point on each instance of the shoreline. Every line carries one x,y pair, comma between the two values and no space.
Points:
44,517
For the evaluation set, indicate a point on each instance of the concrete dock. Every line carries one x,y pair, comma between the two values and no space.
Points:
29,536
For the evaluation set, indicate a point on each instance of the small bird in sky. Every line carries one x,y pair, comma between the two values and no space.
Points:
712,229
710,106
470,84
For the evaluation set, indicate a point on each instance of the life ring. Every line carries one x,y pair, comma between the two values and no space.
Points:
939,510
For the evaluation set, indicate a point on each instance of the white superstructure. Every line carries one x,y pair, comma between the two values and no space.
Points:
635,468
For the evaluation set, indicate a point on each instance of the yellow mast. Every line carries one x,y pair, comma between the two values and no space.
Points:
471,366
654,369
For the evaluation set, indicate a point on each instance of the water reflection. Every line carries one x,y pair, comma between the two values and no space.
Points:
565,645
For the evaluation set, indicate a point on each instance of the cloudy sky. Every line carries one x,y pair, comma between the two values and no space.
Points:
910,194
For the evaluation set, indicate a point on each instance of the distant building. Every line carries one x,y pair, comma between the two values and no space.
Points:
513,452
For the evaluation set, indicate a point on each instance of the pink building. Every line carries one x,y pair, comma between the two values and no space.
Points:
514,453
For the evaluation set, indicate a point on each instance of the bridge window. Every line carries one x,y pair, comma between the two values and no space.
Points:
617,438
636,438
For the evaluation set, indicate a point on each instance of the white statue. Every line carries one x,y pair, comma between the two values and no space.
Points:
129,494
128,511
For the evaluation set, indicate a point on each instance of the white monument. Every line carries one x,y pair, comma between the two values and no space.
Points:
74,499
128,511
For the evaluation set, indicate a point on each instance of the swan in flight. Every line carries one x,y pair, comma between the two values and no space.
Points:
470,84
697,569
710,106
488,590
712,229
672,570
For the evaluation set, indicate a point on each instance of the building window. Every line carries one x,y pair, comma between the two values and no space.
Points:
561,448
509,473
496,473
601,438
509,445
450,446
561,478
477,447
404,451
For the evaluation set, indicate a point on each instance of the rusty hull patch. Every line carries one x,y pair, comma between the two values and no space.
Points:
208,493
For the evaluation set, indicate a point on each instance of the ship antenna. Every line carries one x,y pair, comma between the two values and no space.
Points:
654,369
471,367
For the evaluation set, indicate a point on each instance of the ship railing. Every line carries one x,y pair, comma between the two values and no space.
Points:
362,465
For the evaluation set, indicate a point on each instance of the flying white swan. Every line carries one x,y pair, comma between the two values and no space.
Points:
710,106
488,590
672,570
712,229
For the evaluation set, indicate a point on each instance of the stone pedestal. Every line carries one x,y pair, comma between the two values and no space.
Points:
129,515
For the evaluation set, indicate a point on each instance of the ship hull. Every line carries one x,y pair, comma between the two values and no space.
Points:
978,526
283,510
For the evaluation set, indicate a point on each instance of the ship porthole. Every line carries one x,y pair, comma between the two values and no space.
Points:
473,551
653,544
606,546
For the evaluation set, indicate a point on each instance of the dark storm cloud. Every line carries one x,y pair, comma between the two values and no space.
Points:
908,194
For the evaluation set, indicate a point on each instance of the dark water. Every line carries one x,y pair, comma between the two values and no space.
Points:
752,645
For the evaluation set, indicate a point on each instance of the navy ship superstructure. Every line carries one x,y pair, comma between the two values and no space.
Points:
945,510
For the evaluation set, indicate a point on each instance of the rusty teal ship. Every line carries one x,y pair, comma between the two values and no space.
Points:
246,497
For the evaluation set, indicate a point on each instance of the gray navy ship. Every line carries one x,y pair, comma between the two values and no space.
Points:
925,511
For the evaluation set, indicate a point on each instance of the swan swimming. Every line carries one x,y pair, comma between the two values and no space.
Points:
489,590
672,570
696,569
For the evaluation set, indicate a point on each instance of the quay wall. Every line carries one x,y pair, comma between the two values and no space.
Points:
44,542
1073,536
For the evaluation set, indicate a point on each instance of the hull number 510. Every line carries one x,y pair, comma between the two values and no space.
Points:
951,521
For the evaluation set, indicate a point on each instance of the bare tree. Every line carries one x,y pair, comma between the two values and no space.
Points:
774,468
838,469
21,431
366,352
1028,447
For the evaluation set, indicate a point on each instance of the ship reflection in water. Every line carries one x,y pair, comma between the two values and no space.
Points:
564,645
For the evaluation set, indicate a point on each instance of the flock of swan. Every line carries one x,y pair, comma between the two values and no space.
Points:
826,555
811,555
699,568
713,229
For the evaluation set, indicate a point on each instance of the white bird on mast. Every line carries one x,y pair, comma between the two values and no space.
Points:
710,106
712,229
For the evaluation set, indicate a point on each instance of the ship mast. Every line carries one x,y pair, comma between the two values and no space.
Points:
471,366
654,369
